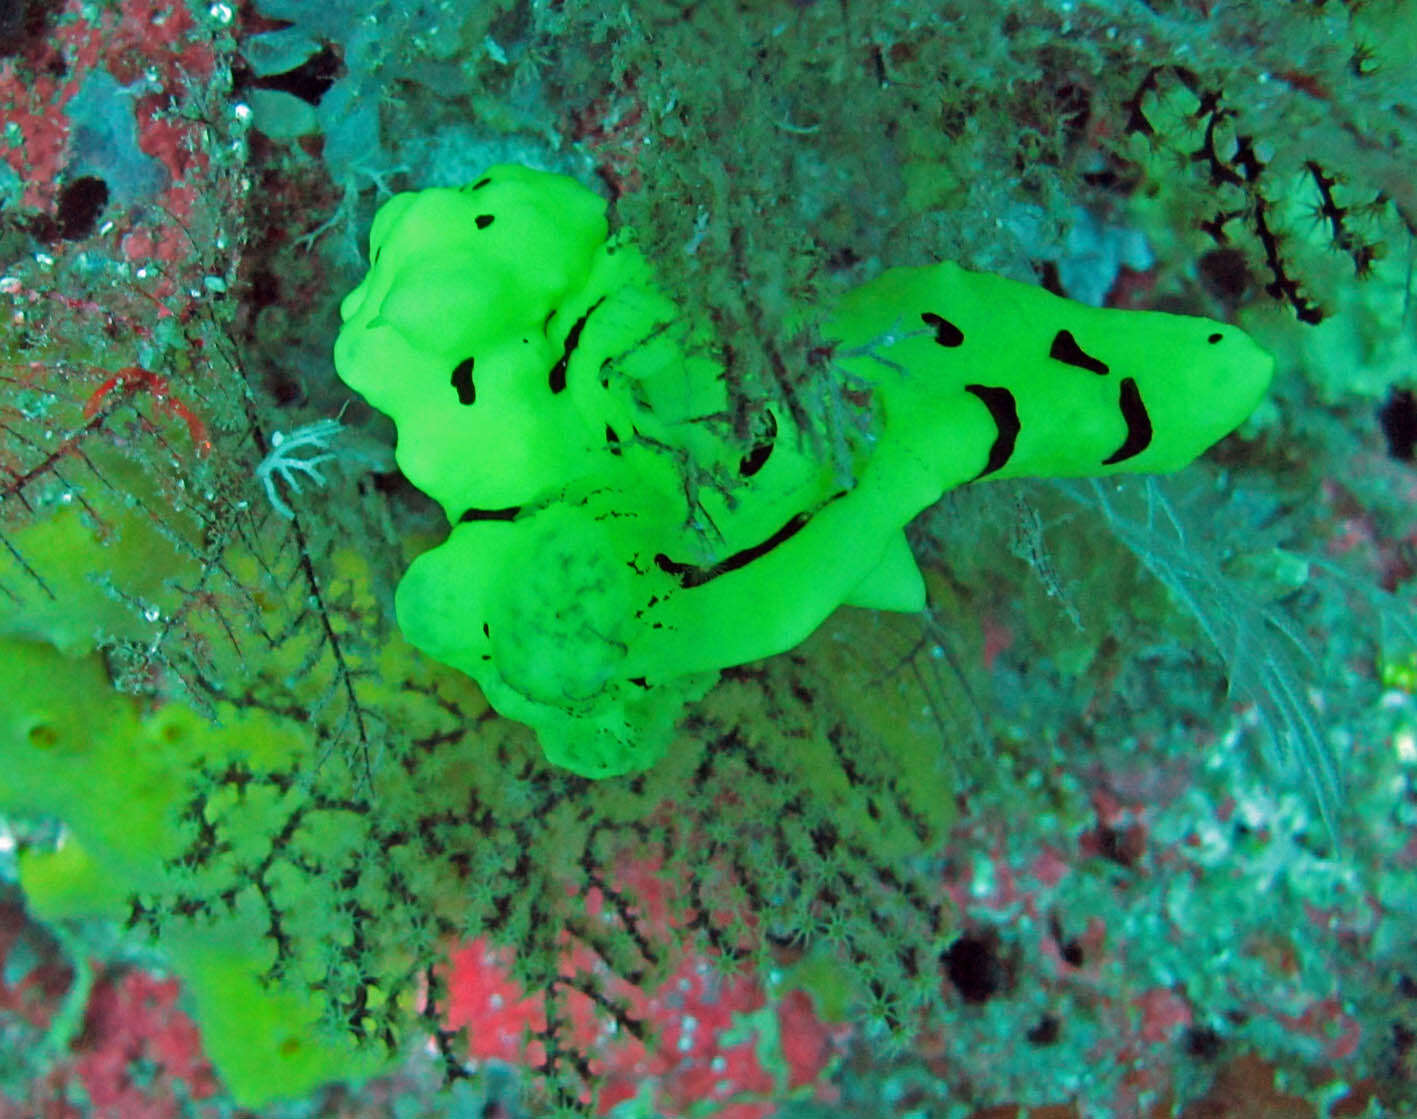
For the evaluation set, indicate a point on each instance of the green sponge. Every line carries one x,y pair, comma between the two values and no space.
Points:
613,546
72,747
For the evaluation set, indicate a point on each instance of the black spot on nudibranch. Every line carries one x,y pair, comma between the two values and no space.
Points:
946,333
1003,409
1138,424
462,381
613,439
1065,348
1213,339
507,514
755,459
557,378
483,220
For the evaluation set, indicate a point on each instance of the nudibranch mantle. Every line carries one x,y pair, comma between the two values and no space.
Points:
612,545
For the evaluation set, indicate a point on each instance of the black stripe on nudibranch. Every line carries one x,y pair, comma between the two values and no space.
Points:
754,460
1065,348
462,381
482,182
1003,409
483,220
1138,424
692,575
946,333
507,514
557,379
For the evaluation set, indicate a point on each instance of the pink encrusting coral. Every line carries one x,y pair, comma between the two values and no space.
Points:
134,1025
152,53
705,1028
710,1033
135,1053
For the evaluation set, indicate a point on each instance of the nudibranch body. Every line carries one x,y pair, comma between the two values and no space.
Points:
612,546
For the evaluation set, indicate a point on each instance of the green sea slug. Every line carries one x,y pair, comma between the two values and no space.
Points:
612,545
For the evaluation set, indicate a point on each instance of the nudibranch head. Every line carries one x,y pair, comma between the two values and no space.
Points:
1056,387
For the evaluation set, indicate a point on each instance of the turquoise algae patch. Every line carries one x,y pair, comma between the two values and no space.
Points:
612,545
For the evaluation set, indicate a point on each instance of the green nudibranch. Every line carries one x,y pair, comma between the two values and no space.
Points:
612,546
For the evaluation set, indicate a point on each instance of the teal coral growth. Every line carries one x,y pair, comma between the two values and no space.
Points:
614,545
